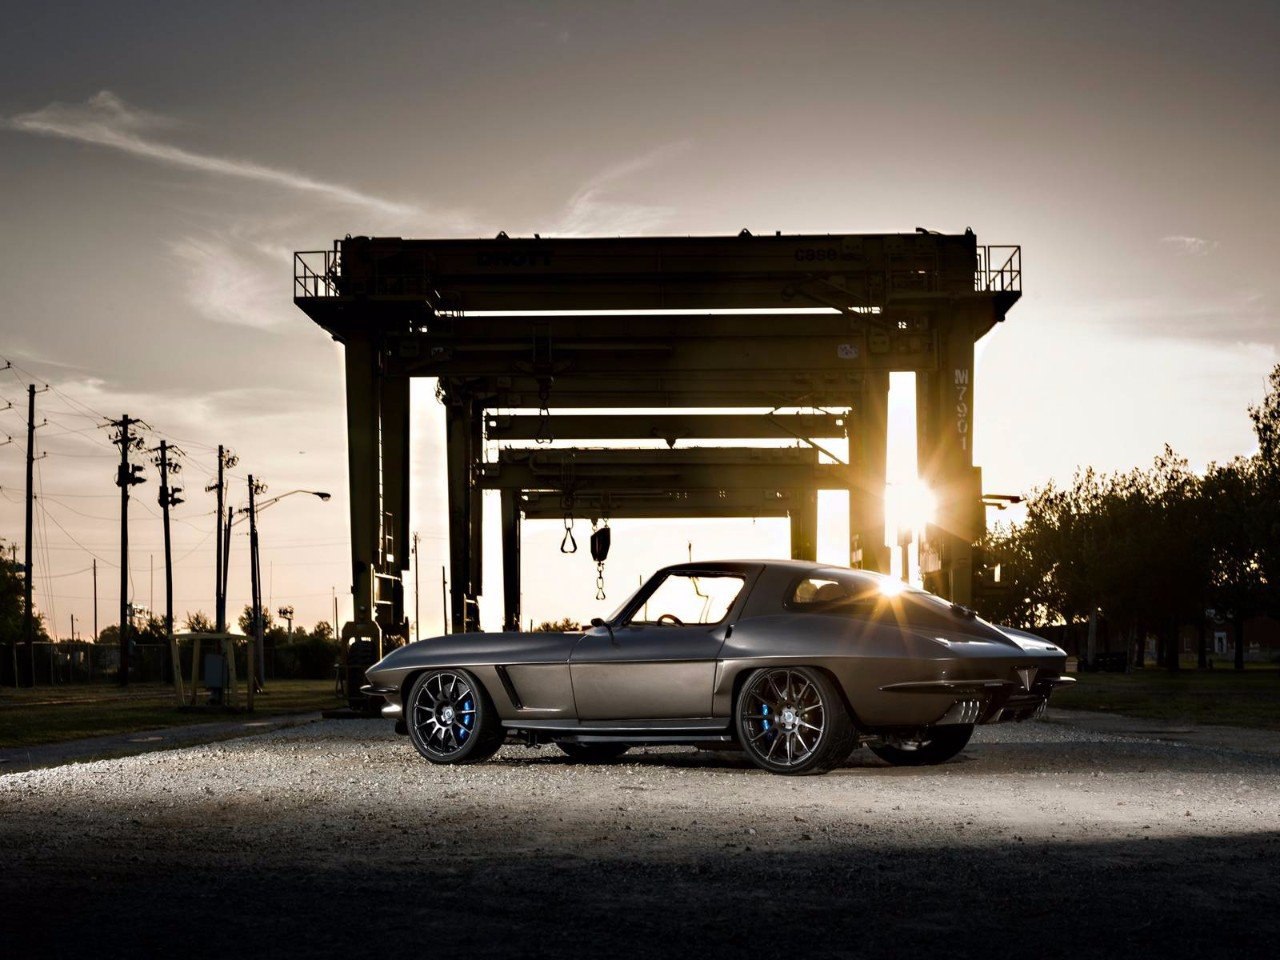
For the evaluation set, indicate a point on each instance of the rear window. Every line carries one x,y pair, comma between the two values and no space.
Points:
874,596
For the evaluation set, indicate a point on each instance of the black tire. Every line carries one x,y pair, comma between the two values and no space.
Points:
592,752
775,716
937,745
451,718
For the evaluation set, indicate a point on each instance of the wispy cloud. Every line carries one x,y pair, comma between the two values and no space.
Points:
594,210
107,121
1191,246
1234,317
234,277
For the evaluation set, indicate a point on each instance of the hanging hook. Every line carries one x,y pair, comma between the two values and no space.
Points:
568,544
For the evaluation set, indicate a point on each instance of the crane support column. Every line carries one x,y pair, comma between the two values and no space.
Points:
510,560
944,424
804,525
361,638
475,514
394,396
457,452
868,448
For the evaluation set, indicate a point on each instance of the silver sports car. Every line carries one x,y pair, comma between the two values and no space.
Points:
793,663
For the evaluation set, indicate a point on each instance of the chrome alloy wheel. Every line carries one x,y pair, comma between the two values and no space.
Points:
783,717
444,713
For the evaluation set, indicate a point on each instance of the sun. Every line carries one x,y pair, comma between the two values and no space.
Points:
908,506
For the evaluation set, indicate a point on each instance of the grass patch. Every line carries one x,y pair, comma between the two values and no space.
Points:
29,717
1247,699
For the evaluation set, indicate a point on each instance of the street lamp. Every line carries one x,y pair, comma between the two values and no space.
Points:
255,567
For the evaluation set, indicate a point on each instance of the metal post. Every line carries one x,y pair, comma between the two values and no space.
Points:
417,607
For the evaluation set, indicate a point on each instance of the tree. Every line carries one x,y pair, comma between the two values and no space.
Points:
13,601
563,625
245,620
199,622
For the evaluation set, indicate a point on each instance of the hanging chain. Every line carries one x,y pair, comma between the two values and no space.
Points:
599,563
544,434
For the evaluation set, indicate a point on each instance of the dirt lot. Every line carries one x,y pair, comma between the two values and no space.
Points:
333,840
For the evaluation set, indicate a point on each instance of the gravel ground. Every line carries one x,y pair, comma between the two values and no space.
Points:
335,839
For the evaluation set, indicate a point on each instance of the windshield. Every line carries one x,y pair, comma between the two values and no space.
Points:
689,598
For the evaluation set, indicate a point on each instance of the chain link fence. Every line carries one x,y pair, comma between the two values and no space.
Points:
61,664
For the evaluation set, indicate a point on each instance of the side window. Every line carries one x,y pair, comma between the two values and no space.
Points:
683,598
818,591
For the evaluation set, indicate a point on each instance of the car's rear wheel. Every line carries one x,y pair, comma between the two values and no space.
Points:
451,719
592,752
937,745
791,720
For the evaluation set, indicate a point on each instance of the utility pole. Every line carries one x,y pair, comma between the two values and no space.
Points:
168,497
28,611
255,584
417,609
127,475
28,618
226,460
335,612
444,600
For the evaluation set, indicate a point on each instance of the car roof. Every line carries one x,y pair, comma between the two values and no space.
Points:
744,566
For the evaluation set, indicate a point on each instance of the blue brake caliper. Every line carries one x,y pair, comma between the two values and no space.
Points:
764,709
467,720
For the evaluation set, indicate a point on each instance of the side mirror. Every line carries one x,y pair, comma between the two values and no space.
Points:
597,622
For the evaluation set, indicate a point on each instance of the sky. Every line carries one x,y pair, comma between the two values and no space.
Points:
162,161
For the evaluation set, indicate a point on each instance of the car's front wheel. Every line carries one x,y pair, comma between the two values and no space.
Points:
933,746
592,752
791,720
451,719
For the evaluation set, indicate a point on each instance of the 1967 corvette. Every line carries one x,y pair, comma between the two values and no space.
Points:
793,663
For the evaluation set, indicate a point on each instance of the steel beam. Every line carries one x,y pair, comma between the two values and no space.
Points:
650,273
722,468
653,504
668,427
656,392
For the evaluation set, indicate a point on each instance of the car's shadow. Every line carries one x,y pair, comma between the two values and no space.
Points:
1084,759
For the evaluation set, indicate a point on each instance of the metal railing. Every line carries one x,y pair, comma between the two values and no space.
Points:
999,269
315,273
